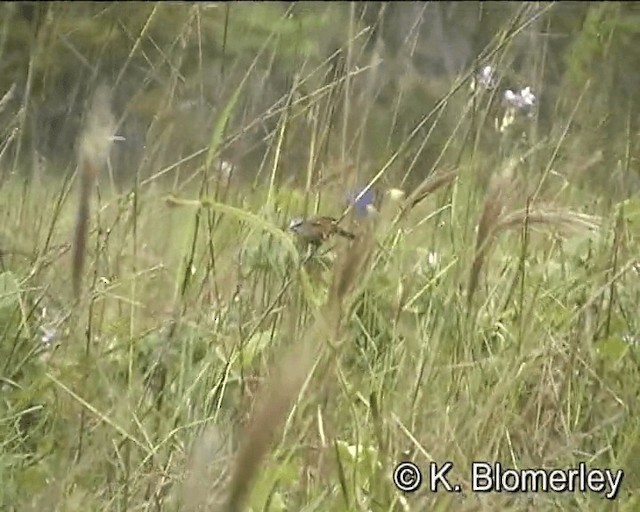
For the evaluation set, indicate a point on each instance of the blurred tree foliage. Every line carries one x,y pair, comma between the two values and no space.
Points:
172,67
605,55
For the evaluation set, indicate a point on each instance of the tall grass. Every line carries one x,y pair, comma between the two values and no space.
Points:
169,347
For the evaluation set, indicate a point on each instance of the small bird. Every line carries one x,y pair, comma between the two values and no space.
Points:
316,230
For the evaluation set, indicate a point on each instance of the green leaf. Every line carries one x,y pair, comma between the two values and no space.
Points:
613,348
32,480
285,474
631,215
364,457
254,347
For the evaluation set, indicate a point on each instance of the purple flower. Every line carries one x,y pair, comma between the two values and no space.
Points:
361,199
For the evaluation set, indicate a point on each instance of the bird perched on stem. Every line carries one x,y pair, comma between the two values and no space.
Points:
316,230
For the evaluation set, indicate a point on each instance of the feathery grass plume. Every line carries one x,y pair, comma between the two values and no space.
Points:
95,142
207,458
350,267
494,204
539,216
430,185
550,216
272,405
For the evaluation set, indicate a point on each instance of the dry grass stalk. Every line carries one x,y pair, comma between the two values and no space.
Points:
7,97
493,206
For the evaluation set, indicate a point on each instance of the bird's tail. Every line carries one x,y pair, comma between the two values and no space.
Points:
344,233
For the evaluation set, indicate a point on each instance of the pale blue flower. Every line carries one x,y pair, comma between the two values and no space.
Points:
361,199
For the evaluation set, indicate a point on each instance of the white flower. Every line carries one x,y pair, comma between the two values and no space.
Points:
433,259
527,96
48,335
487,77
49,328
521,100
226,168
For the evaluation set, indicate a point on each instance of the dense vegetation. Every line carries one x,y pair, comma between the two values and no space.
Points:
167,344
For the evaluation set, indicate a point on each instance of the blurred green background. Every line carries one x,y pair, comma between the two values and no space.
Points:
172,67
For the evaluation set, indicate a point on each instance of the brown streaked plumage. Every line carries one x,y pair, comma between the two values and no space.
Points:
316,230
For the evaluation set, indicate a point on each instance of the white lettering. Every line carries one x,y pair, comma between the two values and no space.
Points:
534,480
559,481
439,476
510,480
614,481
481,477
487,477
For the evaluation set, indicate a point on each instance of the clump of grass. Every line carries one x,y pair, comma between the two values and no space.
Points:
496,217
279,392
